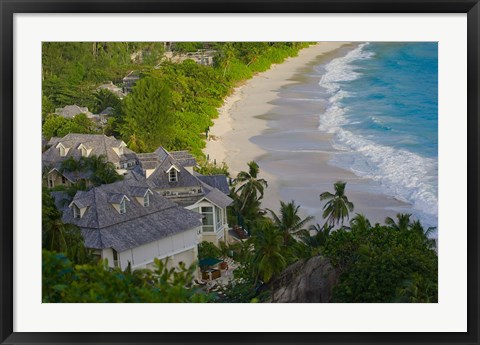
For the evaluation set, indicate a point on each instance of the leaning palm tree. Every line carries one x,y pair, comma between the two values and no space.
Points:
289,222
338,206
251,188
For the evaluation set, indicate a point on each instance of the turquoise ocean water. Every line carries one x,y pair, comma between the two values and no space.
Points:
382,110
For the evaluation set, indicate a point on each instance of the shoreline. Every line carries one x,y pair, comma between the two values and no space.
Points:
251,113
237,118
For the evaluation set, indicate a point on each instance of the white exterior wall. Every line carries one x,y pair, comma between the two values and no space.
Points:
182,245
219,229
108,254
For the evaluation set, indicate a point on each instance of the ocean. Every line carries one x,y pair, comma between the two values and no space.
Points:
366,114
383,112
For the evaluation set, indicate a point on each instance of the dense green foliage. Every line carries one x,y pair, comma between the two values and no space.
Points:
101,171
289,222
383,263
58,126
72,70
148,121
207,250
59,236
209,168
62,281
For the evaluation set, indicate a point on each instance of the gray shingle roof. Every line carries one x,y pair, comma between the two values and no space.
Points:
148,160
116,198
103,227
99,144
107,111
139,191
216,196
184,158
70,111
160,179
216,181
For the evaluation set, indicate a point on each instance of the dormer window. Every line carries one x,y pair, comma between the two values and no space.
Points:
85,152
123,206
146,200
118,201
119,149
76,211
172,176
62,149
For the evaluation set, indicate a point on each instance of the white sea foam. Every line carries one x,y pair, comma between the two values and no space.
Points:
402,174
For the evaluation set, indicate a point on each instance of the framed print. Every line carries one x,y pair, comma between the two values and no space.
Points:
246,172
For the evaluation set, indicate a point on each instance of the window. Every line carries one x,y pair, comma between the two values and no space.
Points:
207,219
172,175
146,200
218,215
123,207
115,258
62,151
76,211
84,151
64,180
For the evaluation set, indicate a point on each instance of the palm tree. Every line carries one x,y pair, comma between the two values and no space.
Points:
64,238
226,56
268,258
403,223
360,222
289,221
318,239
338,206
252,188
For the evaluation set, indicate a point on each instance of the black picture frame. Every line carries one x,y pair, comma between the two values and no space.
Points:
9,7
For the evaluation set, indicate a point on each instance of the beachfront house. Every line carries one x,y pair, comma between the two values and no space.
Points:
171,174
83,145
129,224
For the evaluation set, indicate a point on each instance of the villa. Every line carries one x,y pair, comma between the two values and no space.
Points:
161,209
129,224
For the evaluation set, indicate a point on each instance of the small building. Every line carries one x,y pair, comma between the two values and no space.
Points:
202,57
116,90
129,224
129,81
70,111
83,145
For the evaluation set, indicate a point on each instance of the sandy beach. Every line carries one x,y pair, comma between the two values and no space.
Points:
245,130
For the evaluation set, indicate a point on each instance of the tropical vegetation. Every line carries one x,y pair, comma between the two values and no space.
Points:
173,105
